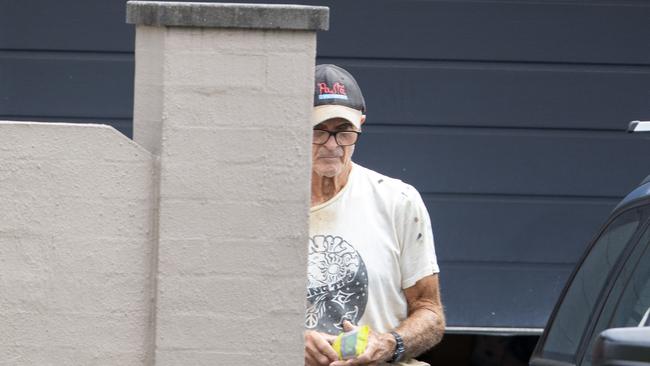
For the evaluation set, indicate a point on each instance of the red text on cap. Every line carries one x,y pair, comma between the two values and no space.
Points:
337,88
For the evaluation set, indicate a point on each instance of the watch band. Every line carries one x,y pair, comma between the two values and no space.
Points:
398,354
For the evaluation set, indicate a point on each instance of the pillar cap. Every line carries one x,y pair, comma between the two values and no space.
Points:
227,15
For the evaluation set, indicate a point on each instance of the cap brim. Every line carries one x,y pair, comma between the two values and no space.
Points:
323,113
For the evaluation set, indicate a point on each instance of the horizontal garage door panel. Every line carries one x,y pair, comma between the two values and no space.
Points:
586,31
98,25
437,160
101,85
572,31
68,85
522,96
500,296
514,230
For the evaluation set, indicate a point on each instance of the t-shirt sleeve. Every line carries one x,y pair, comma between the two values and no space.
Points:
417,252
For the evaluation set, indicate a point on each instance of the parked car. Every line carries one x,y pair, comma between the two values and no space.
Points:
610,288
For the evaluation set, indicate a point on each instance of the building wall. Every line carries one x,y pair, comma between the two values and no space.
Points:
186,245
228,109
75,246
508,116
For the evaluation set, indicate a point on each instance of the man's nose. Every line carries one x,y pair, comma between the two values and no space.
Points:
331,143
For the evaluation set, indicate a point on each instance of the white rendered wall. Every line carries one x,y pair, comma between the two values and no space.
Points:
233,135
75,246
189,248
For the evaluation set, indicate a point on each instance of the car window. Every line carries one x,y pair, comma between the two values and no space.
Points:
564,334
629,301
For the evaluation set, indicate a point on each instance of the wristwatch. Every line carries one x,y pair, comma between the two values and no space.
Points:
398,354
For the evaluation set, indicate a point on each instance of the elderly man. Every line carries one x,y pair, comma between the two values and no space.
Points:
371,255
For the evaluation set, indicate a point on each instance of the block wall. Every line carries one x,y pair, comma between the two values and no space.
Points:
234,191
75,246
185,246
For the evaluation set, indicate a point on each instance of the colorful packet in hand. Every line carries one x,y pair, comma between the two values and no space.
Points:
351,344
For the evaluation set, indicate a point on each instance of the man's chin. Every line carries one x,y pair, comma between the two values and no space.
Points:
328,171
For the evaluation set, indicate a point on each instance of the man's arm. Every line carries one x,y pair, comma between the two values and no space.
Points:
425,324
421,330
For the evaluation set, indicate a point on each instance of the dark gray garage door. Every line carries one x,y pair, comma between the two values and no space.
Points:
508,116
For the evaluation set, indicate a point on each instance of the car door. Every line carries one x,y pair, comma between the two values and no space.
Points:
628,302
572,323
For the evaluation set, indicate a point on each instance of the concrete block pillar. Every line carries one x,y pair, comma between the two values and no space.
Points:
223,95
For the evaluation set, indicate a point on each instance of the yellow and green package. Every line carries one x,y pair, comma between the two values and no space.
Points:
351,344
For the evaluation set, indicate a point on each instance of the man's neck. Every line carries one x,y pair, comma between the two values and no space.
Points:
325,188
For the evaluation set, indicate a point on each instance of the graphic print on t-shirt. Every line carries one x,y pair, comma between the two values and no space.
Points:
338,284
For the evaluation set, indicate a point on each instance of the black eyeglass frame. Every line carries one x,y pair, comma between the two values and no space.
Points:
335,133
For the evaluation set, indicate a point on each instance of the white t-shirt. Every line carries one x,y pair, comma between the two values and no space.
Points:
368,243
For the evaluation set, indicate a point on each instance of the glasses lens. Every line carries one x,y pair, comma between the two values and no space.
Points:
345,138
320,137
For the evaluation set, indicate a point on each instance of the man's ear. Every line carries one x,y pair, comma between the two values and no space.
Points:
363,118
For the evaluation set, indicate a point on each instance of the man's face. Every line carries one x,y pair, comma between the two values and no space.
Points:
330,160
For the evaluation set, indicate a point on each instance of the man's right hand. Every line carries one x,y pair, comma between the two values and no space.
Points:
318,349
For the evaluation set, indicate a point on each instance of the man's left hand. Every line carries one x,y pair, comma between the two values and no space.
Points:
380,348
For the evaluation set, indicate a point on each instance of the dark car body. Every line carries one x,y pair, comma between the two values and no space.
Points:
610,287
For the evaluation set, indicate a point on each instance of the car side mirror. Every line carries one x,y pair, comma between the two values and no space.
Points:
623,347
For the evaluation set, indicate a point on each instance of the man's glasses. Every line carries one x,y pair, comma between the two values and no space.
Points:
342,138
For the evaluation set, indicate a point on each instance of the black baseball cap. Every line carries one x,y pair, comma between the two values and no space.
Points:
337,95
